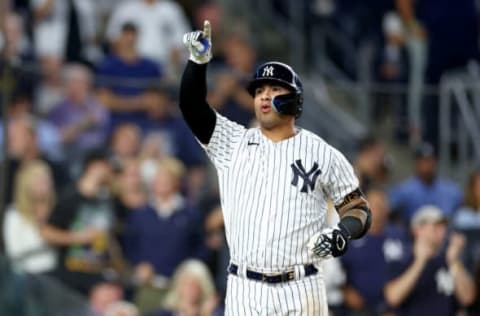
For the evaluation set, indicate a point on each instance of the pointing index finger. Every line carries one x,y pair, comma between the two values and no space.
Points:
207,30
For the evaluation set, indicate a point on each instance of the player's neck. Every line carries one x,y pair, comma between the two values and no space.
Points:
279,133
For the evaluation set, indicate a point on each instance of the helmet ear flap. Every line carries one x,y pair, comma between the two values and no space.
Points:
288,104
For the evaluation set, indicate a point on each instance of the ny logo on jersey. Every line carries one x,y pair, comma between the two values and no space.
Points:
444,281
268,71
309,178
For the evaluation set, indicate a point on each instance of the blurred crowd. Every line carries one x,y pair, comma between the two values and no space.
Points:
403,48
108,192
421,255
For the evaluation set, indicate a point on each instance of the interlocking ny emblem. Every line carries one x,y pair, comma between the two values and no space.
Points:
268,71
309,178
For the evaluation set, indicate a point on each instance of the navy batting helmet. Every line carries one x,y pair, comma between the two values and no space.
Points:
284,75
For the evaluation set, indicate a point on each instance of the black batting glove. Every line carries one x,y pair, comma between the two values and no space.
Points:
330,242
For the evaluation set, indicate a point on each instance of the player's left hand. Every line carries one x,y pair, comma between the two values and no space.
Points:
330,242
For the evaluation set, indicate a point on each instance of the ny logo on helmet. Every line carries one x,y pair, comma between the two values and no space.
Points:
268,71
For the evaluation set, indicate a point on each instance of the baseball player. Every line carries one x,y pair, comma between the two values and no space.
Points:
274,184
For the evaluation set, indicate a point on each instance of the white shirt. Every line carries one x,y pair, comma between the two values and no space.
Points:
160,25
51,31
24,246
274,194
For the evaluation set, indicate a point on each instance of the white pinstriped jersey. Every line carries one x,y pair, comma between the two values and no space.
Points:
273,194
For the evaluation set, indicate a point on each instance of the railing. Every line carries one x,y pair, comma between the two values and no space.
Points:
321,114
263,18
329,120
459,123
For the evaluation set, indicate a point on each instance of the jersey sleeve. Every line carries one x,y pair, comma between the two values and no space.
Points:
225,139
341,179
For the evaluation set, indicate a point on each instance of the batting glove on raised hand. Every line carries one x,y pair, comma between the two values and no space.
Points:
199,44
330,242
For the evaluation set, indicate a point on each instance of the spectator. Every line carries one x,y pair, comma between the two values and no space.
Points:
425,187
129,188
161,25
24,147
81,226
467,221
442,37
228,95
65,29
167,223
450,31
123,78
361,24
49,91
14,43
22,8
167,134
103,296
14,51
122,308
177,138
371,164
467,218
153,149
47,135
392,67
81,120
430,279
34,200
125,142
192,291
365,264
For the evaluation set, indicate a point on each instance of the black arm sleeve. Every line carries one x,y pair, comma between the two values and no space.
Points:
199,116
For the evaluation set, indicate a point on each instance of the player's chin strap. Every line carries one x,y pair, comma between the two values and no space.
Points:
352,227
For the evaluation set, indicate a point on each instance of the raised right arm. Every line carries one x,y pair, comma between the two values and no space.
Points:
199,116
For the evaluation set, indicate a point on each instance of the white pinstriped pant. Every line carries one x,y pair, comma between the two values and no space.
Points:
303,297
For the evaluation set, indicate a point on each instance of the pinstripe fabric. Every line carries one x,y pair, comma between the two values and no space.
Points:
273,197
304,297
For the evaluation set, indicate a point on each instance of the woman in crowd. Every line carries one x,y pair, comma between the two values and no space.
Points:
192,292
34,198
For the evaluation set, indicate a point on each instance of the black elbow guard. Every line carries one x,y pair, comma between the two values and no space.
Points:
354,226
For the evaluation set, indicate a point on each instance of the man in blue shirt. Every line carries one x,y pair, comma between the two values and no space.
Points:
123,77
177,137
365,263
425,187
167,230
430,278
